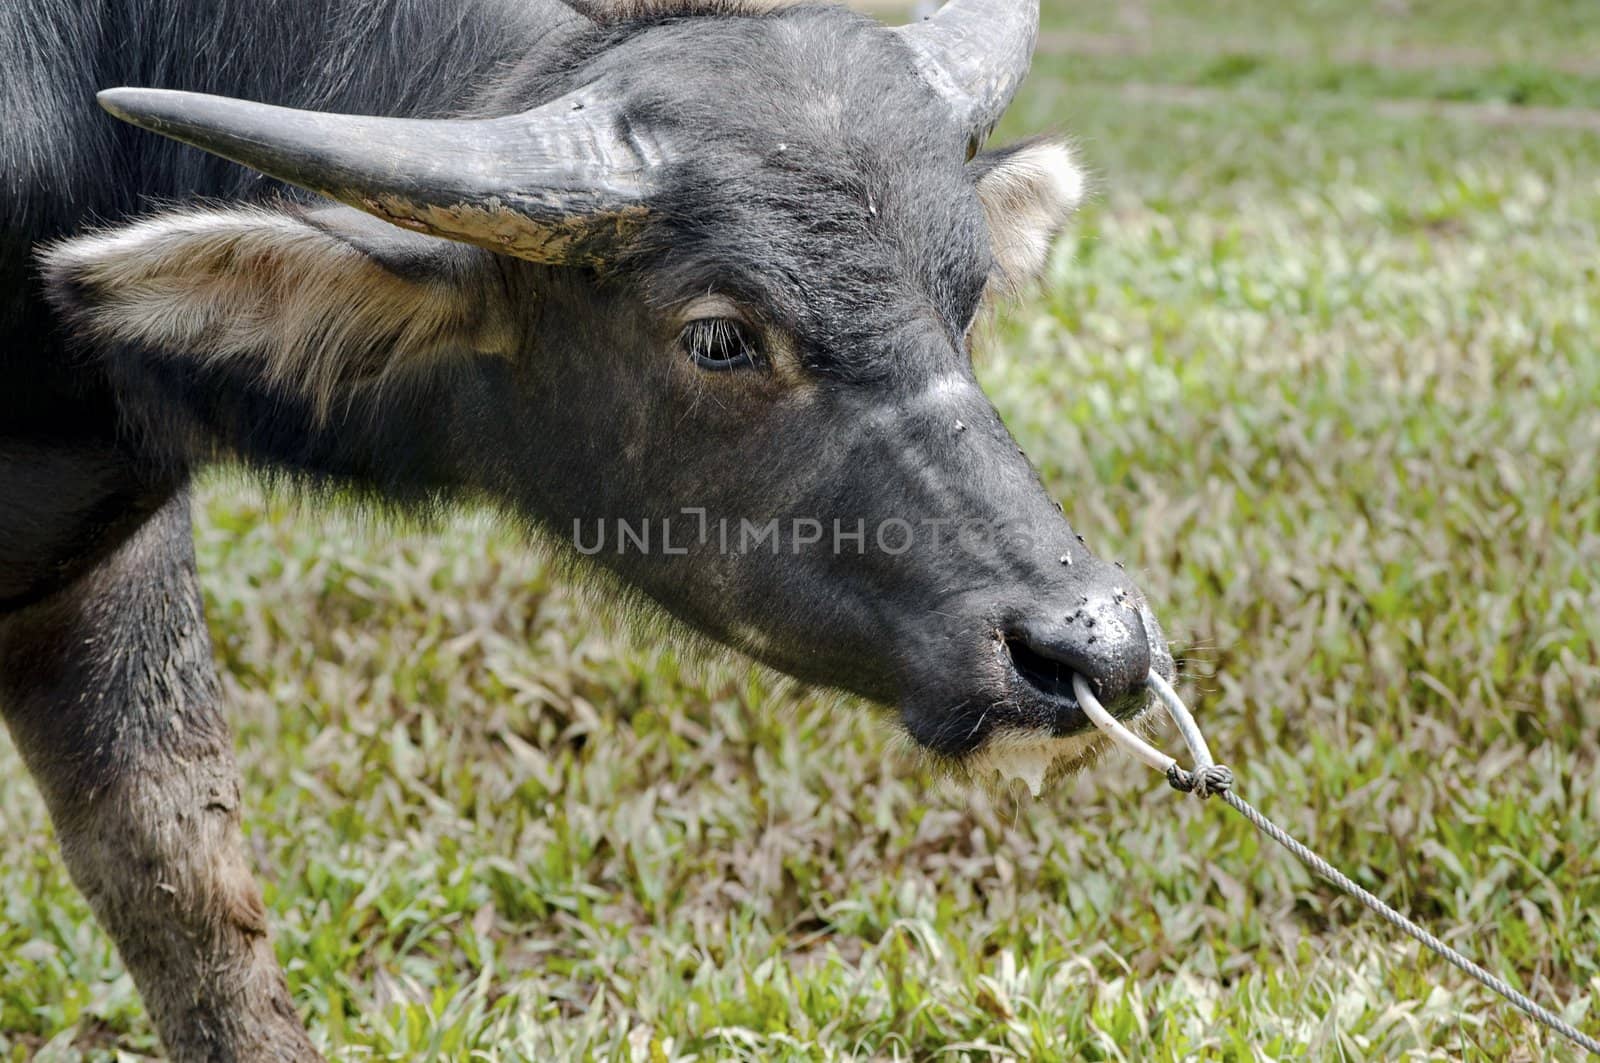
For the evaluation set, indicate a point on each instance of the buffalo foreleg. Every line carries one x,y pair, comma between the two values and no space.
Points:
110,694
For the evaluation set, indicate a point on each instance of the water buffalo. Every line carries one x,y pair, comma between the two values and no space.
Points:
701,275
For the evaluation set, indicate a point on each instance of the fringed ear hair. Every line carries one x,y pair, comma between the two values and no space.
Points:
1028,191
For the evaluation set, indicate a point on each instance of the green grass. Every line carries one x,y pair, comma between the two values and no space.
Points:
1327,380
1544,32
1351,79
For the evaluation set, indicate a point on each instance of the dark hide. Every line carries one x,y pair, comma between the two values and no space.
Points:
819,187
64,162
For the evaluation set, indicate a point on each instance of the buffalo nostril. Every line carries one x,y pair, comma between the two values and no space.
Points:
1110,648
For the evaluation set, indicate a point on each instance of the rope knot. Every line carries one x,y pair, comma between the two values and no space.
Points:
1218,779
1213,779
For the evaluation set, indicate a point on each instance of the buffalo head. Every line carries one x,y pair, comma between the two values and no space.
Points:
696,299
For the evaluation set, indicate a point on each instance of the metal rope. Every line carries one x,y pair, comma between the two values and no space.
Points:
1400,922
1209,778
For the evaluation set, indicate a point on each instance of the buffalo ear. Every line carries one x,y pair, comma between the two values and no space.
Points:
312,301
1028,192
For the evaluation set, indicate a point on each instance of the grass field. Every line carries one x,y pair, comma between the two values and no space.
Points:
1320,363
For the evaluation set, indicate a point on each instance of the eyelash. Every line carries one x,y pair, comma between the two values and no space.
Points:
721,344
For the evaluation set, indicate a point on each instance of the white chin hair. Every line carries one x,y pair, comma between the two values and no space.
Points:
1030,756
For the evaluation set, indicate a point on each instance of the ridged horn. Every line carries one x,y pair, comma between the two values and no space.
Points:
555,184
975,53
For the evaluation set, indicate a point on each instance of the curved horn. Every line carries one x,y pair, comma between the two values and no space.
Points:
549,184
976,53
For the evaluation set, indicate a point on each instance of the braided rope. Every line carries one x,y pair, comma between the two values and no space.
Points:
1209,779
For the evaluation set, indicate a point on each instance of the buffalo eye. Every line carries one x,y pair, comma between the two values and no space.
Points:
720,343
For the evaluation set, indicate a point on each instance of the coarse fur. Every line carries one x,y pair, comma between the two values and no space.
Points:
1028,193
164,309
312,310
